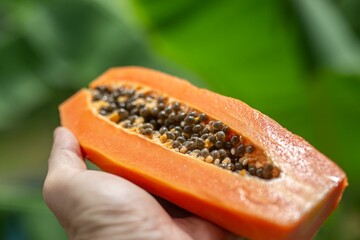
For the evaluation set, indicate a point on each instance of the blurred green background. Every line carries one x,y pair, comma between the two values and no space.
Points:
296,61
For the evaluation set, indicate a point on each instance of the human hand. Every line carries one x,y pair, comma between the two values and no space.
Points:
97,205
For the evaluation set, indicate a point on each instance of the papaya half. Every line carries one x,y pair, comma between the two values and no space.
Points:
210,154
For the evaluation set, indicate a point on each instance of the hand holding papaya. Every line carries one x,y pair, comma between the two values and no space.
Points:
96,205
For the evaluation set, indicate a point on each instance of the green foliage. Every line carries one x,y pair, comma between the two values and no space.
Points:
296,61
60,45
236,53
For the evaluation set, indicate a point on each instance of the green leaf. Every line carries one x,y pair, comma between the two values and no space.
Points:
333,42
351,9
19,97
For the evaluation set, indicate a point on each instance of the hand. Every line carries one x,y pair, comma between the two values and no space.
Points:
97,205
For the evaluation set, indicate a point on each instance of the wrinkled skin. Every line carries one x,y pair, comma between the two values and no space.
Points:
97,205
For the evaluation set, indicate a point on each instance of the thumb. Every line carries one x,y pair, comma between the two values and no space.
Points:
65,154
64,161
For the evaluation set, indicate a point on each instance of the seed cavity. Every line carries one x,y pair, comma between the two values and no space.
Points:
181,128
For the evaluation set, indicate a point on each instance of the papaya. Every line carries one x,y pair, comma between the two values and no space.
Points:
210,154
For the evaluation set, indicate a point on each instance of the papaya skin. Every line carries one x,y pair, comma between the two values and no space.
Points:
292,206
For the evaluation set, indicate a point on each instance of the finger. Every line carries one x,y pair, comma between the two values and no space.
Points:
199,228
66,153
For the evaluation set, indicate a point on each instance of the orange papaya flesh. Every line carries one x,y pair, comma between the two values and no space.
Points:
291,205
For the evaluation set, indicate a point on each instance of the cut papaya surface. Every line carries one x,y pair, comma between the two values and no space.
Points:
210,154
